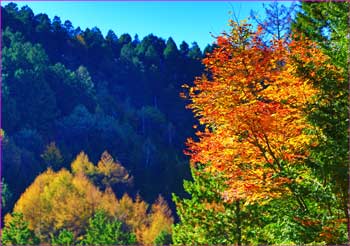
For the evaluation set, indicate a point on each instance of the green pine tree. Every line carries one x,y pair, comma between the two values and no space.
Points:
101,230
205,218
17,232
65,237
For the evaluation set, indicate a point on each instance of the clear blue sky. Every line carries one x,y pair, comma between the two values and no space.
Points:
190,21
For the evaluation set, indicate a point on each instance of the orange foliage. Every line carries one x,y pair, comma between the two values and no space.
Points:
253,107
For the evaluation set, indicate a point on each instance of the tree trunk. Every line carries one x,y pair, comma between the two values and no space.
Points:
238,222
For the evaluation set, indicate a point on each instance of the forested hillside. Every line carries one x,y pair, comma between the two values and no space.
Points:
102,135
66,90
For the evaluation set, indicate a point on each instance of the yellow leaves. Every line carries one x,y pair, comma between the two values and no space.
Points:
134,214
60,200
113,171
81,164
146,226
2,133
159,220
213,206
7,219
108,202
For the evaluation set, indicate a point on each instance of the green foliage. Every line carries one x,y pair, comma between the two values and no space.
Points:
327,24
17,232
29,139
205,218
64,237
152,56
164,238
101,230
171,52
195,52
125,39
184,49
84,79
24,64
127,52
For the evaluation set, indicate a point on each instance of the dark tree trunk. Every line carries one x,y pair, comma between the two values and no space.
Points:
238,222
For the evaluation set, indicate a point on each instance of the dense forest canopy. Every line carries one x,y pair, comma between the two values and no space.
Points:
99,133
65,90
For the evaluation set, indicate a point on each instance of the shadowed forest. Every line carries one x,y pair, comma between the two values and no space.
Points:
114,140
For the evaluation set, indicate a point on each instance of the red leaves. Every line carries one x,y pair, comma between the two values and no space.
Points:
221,41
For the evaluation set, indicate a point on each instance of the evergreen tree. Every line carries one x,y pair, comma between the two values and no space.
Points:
170,52
195,52
327,23
124,39
184,49
204,217
64,237
103,231
17,232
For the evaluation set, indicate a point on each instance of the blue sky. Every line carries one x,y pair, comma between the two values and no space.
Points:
182,20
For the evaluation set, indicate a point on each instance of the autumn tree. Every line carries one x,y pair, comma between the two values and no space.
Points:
56,201
133,214
108,173
112,171
147,225
52,156
82,164
250,108
160,221
253,104
63,208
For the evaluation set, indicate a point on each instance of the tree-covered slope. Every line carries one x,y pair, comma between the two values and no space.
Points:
86,92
